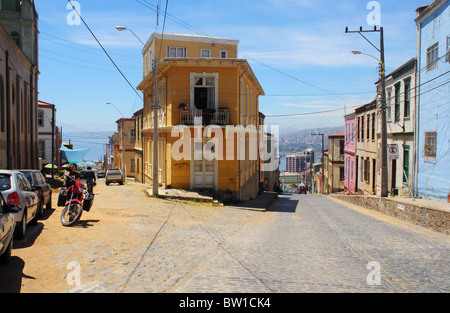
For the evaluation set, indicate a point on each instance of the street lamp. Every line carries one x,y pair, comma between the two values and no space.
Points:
121,139
155,117
121,28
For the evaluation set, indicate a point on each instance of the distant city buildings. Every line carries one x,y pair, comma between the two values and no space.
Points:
299,162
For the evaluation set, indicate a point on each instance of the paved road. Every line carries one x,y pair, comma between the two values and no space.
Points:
306,243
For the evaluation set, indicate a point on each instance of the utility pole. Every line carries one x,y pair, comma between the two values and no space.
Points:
53,141
384,184
322,160
155,186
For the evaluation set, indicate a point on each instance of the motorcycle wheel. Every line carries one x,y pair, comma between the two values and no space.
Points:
71,214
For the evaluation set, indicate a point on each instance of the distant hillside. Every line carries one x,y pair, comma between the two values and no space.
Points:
297,141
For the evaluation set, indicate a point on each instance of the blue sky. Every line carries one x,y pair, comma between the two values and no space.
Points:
298,50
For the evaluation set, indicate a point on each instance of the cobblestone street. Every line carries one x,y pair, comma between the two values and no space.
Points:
132,243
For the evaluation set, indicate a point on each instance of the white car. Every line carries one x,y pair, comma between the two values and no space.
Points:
21,199
7,225
114,176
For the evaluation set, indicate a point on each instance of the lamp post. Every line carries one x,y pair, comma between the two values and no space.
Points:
155,116
384,184
121,28
121,138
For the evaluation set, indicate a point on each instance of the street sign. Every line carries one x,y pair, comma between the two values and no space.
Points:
393,152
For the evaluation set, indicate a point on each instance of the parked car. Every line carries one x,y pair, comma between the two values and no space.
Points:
21,199
43,189
114,176
7,225
303,189
101,174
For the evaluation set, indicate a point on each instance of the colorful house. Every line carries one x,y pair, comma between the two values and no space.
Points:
432,127
400,114
366,148
204,91
350,180
334,163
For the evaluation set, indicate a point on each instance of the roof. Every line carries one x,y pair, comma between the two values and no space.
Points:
338,134
423,11
189,37
366,107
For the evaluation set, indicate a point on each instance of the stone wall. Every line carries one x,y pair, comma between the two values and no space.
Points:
437,220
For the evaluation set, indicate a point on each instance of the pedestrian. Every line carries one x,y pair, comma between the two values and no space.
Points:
71,176
91,180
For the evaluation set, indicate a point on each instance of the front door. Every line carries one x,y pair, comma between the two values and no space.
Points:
204,171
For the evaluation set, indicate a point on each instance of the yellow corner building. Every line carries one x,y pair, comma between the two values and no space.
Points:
203,87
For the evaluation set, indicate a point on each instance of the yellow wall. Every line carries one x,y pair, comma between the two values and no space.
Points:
238,90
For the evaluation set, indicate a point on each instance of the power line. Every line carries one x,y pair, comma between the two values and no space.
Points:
93,35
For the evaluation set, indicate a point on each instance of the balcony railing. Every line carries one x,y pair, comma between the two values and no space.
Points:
205,117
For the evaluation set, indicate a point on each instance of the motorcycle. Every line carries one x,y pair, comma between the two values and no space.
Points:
75,203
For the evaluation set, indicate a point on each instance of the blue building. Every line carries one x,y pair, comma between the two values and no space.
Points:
433,101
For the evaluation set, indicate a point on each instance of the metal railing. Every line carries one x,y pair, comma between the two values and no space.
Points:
204,117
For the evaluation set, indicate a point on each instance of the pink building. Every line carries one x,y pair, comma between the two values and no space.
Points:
350,180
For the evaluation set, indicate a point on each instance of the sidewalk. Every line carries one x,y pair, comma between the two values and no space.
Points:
431,214
261,203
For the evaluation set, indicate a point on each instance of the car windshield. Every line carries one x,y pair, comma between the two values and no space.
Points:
114,172
5,182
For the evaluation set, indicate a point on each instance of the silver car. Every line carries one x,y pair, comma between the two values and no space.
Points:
114,176
7,225
21,199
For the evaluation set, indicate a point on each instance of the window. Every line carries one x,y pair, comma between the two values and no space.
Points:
362,128
132,135
42,149
367,170
397,103
357,131
368,127
351,171
204,92
432,57
132,165
430,146
405,164
205,53
373,126
352,132
341,147
40,118
447,55
341,173
223,54
176,52
407,103
16,37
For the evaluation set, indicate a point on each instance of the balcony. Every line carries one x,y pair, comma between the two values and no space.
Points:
204,117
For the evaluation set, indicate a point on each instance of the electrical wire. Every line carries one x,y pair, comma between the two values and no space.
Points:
114,63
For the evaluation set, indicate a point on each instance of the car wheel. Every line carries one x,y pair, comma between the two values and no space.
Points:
40,208
6,256
48,206
21,228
